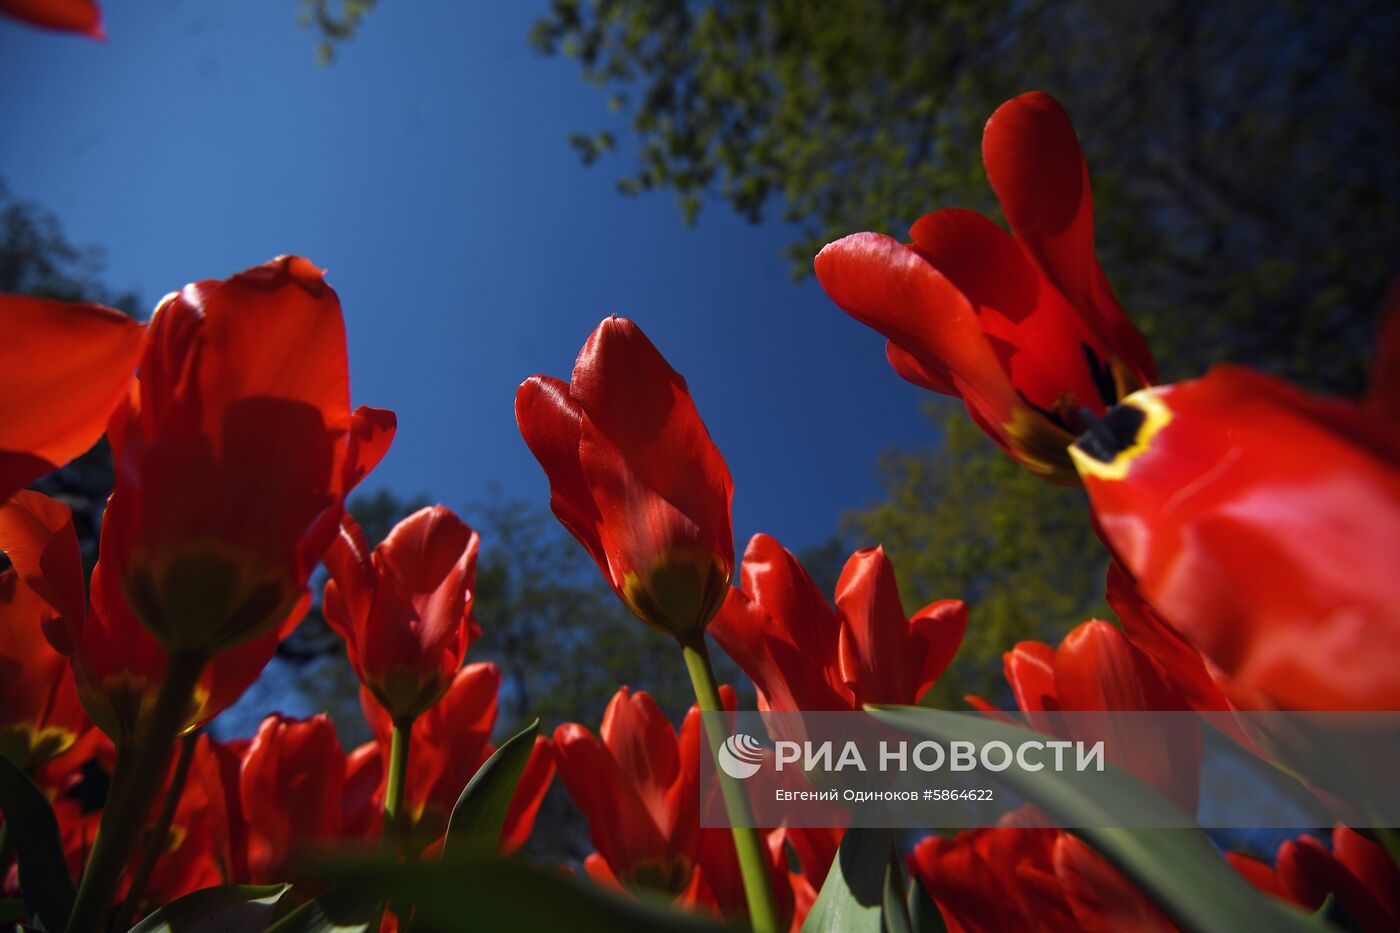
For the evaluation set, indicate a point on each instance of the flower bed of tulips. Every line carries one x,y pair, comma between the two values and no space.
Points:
1253,530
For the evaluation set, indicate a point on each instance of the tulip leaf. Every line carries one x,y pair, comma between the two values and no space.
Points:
489,893
853,896
339,909
924,915
1179,869
44,883
474,828
896,913
234,908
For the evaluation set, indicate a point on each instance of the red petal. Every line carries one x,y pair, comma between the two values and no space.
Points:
550,422
529,795
874,652
81,16
940,626
891,288
782,633
63,368
36,534
372,430
1039,338
1036,167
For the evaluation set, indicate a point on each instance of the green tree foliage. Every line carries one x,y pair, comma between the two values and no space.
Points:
1247,202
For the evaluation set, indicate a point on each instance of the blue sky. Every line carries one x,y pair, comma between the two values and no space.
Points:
428,171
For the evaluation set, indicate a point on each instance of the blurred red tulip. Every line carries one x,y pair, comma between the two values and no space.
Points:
1025,329
234,454
404,609
201,848
1096,668
635,477
63,368
117,664
1005,878
449,744
40,715
291,783
802,656
1356,872
1261,524
82,16
638,784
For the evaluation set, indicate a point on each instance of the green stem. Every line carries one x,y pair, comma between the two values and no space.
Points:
395,827
136,779
763,912
160,829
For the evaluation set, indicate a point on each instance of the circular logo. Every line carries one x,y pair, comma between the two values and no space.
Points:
740,756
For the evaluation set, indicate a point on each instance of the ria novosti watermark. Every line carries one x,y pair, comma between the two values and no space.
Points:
920,768
742,756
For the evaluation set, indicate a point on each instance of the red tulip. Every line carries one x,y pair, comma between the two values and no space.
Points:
637,782
635,477
1261,524
802,656
117,664
82,16
234,455
40,715
291,783
1357,873
1096,668
404,610
1024,329
63,368
449,744
989,880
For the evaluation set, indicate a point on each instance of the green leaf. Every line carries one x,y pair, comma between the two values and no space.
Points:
853,896
1179,869
235,908
44,882
463,892
896,914
474,828
340,909
924,915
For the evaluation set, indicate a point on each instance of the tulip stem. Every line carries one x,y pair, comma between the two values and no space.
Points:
136,779
753,865
395,827
160,829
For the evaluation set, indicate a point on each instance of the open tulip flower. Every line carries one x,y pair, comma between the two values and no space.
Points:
802,656
63,368
118,666
404,609
1025,329
1262,525
634,476
450,743
234,454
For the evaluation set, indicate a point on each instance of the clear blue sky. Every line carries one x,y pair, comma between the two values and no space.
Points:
428,171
